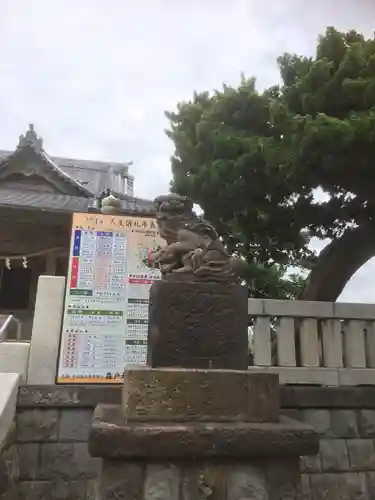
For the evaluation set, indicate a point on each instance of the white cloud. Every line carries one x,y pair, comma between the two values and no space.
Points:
95,77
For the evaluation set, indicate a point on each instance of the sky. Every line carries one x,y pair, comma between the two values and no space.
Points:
95,77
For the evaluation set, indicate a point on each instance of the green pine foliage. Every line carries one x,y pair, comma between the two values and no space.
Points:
253,160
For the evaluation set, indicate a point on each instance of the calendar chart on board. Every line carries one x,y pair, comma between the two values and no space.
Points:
105,319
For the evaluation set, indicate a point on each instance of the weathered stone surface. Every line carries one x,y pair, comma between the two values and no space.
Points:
246,482
311,463
28,460
334,455
328,397
361,454
305,487
120,481
213,481
71,490
111,437
354,399
293,414
60,490
344,424
198,325
9,469
203,481
320,420
283,479
92,490
75,424
190,482
36,490
370,482
66,461
64,396
356,486
162,482
11,494
204,395
37,425
292,397
327,486
366,420
57,462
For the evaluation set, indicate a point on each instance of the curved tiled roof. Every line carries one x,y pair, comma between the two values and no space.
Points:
47,201
18,198
51,167
64,175
76,182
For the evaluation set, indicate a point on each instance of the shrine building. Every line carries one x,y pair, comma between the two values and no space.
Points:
38,195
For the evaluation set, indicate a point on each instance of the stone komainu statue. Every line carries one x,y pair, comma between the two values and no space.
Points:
194,251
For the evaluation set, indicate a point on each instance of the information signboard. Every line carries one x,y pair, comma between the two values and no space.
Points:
105,317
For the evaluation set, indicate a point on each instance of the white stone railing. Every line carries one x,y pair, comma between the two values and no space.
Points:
314,342
14,358
9,383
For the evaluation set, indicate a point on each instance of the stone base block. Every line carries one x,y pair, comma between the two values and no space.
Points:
114,438
253,480
198,325
183,395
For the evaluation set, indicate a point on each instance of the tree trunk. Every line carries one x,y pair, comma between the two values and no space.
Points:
337,263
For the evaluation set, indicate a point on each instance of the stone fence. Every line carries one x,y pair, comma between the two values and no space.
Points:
320,343
54,421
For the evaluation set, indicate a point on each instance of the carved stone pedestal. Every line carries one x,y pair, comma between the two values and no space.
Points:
196,435
198,325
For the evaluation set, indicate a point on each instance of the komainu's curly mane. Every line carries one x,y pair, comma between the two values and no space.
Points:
202,227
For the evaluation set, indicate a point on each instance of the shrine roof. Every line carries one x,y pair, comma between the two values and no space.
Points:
30,178
9,163
62,162
88,177
47,201
18,198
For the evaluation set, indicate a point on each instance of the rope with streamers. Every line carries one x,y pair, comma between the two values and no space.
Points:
25,258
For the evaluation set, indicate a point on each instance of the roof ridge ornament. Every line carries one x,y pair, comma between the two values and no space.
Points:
30,139
110,204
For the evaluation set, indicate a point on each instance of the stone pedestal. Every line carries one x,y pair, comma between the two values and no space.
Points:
198,435
198,325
